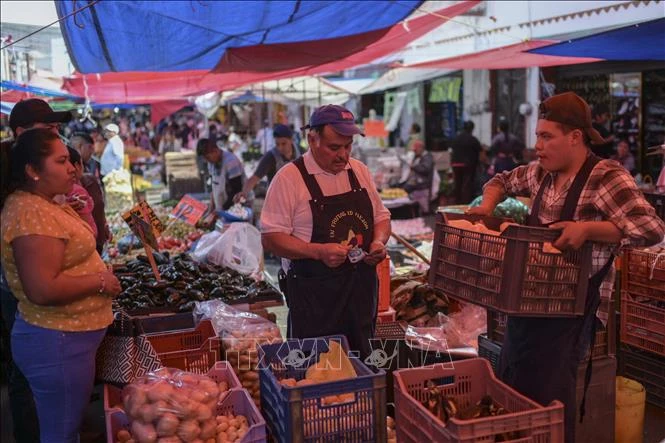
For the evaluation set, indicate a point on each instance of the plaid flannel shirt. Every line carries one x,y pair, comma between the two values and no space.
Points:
610,194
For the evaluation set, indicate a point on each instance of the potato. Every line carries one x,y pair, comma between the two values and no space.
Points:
167,425
199,396
188,430
146,413
203,412
247,384
133,400
144,433
223,386
232,435
208,430
171,439
222,437
251,376
222,427
162,390
123,436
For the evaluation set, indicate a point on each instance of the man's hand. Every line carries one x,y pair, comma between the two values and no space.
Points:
377,252
573,236
332,255
240,197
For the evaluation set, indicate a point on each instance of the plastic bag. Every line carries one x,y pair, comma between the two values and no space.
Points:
170,403
204,245
241,333
238,248
458,330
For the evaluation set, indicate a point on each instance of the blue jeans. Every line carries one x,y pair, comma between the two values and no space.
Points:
60,367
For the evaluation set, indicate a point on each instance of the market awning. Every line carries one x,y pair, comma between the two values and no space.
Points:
505,57
641,41
118,36
145,87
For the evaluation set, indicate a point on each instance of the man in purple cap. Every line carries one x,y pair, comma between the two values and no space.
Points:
323,214
26,114
586,199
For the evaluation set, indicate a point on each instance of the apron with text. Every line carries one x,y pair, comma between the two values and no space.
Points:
540,356
326,301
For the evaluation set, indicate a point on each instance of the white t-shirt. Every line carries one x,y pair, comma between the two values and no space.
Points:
286,209
113,156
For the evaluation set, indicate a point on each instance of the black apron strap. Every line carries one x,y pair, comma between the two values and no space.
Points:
310,181
535,206
353,180
575,191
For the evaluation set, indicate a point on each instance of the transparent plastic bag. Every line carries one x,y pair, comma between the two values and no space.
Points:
238,248
204,245
458,330
173,404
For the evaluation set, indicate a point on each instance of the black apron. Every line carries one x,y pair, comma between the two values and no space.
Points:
540,356
326,301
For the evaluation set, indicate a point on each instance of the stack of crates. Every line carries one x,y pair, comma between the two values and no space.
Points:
642,353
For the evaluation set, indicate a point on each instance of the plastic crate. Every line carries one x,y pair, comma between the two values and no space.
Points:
605,343
643,324
387,316
657,200
509,273
237,402
646,368
194,350
466,382
643,273
297,414
489,350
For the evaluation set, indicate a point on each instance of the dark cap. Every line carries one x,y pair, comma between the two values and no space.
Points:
282,131
28,112
340,118
570,109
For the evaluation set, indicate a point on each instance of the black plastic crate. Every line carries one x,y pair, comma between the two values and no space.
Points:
489,350
646,368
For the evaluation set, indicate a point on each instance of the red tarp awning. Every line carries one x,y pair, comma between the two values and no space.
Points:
150,87
505,57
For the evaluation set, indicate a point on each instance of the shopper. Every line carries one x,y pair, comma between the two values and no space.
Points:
601,117
506,149
624,156
226,173
26,114
466,154
85,145
114,151
271,162
421,175
62,286
318,210
265,138
588,199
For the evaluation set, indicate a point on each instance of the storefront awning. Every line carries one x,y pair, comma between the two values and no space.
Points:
504,57
641,41
146,87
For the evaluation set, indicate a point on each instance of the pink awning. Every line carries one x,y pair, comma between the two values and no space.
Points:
505,57
243,66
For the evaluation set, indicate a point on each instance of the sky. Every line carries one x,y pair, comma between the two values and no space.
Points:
28,12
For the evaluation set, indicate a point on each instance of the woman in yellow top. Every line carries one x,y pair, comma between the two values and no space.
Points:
63,288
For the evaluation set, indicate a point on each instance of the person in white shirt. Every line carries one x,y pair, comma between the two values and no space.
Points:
265,137
114,151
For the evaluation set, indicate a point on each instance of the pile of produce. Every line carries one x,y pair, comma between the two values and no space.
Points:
415,301
393,193
184,282
118,191
444,408
509,208
175,406
240,350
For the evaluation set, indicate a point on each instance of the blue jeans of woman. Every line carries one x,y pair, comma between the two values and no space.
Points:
60,367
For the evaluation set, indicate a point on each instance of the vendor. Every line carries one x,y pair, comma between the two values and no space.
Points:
113,156
271,162
588,199
421,175
226,173
318,208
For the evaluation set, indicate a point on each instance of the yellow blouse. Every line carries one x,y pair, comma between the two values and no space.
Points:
28,214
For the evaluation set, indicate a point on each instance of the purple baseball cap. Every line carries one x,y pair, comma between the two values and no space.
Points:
340,118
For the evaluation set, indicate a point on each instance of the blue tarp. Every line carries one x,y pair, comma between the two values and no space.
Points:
6,84
193,35
642,41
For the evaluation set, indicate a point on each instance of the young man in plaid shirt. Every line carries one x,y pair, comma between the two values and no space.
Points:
588,199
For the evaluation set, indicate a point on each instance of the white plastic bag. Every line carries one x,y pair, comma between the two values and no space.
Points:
238,248
205,244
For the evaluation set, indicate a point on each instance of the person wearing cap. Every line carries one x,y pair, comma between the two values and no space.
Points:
271,162
113,156
26,114
226,173
421,175
585,199
323,214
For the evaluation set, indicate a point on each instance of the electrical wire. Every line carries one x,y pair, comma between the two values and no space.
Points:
50,24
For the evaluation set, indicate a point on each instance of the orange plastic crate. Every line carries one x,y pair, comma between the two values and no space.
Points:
643,274
642,324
